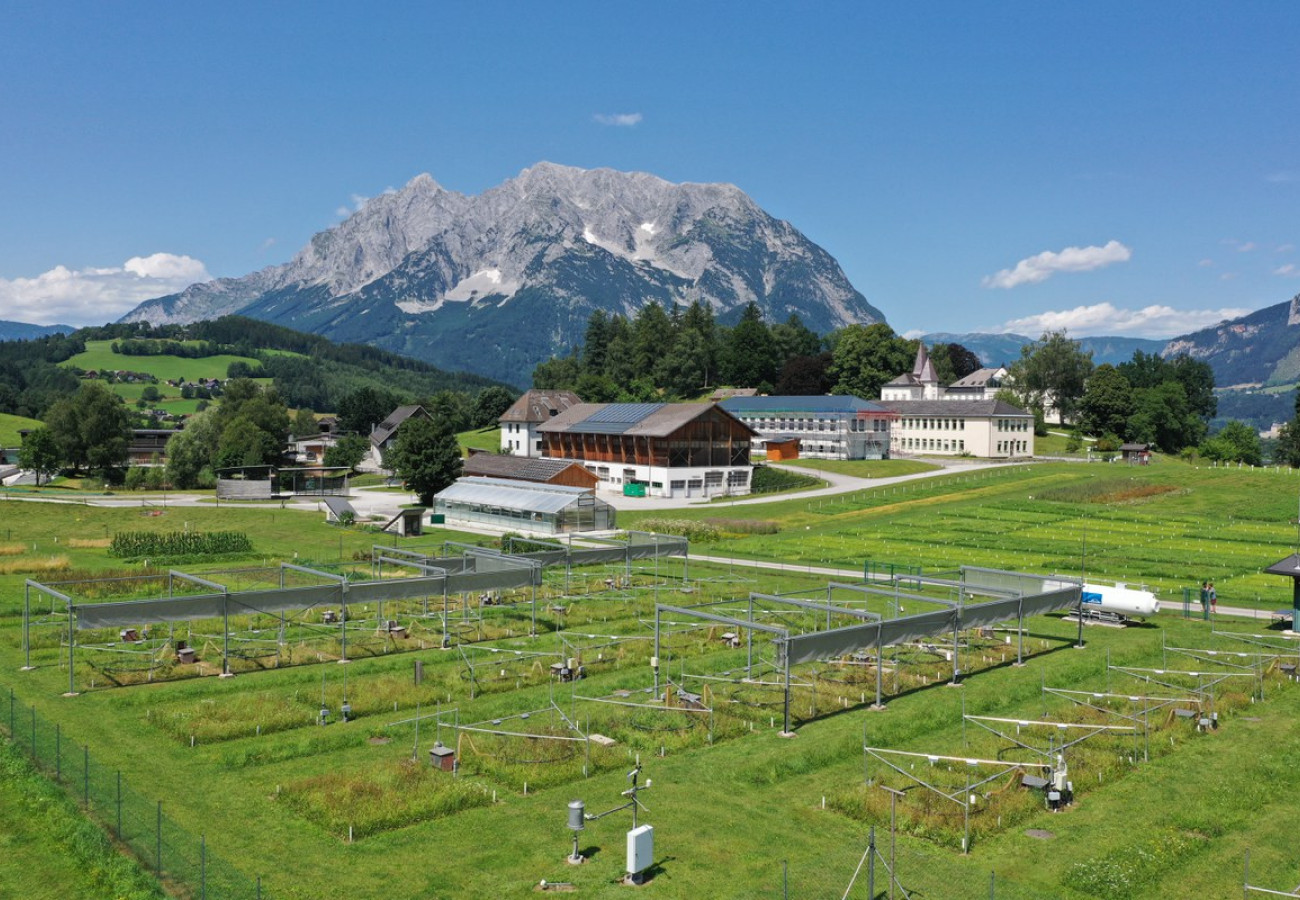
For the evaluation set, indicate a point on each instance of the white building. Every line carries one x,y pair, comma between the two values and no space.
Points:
519,435
988,429
826,426
964,418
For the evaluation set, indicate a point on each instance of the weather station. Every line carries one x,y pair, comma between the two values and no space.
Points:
640,839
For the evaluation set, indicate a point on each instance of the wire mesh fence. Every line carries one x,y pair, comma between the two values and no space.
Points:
181,861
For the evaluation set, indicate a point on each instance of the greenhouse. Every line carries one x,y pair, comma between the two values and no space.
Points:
545,508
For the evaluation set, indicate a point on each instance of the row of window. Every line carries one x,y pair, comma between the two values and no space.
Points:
1013,446
934,444
935,424
769,424
1012,425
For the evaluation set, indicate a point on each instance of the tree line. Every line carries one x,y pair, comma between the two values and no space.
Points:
679,353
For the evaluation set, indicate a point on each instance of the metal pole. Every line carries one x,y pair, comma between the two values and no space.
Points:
871,863
655,667
72,643
225,635
27,612
343,622
786,653
893,839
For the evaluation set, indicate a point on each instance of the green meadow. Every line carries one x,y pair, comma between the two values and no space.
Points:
354,809
10,426
99,355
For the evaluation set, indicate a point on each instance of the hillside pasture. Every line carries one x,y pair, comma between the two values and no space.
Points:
99,355
10,426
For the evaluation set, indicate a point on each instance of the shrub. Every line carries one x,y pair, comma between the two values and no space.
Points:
768,480
692,531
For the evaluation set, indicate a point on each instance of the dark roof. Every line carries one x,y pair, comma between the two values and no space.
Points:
522,468
1289,567
638,419
538,406
385,429
953,408
831,403
906,379
1135,448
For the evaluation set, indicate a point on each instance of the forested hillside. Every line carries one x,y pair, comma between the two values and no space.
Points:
308,371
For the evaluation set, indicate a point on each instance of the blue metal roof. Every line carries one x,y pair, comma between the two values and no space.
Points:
827,403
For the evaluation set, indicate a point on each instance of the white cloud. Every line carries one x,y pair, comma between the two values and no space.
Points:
1205,263
1156,321
621,120
1284,248
1287,271
94,296
1044,265
1285,176
1246,247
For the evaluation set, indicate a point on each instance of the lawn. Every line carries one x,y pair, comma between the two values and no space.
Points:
488,439
866,468
736,807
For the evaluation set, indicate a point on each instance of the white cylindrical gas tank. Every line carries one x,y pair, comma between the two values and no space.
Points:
1119,599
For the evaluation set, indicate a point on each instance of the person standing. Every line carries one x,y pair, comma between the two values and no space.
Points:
1205,598
1214,600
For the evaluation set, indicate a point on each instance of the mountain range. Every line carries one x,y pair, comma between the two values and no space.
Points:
21,331
1002,349
497,282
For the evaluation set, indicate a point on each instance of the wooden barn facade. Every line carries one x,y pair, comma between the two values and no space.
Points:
665,449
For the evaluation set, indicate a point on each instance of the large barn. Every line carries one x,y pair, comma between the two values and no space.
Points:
660,449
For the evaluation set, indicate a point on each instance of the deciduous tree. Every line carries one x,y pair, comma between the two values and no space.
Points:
426,457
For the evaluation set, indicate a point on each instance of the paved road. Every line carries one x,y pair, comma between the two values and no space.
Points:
1168,607
837,483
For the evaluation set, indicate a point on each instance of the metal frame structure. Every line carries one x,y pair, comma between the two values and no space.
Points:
964,799
476,569
875,632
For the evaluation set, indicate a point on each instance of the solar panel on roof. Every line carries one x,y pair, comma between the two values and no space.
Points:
623,413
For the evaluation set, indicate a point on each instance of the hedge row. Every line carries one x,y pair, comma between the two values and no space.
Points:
134,544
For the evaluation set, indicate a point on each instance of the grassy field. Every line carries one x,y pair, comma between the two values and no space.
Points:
732,800
11,425
488,439
100,355
866,468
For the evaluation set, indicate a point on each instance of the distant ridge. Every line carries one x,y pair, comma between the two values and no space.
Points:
1002,349
21,331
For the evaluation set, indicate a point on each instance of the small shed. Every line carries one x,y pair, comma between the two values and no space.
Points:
781,447
1289,568
407,522
1136,454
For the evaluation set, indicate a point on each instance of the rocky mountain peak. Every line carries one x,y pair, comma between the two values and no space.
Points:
496,282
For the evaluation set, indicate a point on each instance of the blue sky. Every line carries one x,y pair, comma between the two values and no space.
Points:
1109,168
